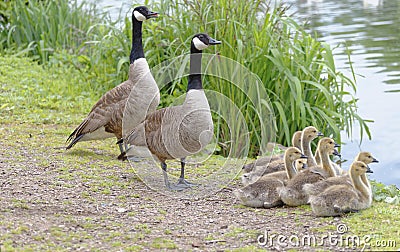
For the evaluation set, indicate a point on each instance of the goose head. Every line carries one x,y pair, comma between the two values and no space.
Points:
366,157
293,153
202,40
296,139
142,13
310,133
358,168
328,145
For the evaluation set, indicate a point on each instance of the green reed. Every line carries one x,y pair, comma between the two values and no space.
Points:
297,71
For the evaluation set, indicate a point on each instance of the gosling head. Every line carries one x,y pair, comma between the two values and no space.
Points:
328,145
359,168
296,139
201,41
366,157
310,133
142,13
300,164
293,154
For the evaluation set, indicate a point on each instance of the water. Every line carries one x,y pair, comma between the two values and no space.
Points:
371,31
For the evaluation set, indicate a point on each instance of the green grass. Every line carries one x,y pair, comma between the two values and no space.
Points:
31,93
373,227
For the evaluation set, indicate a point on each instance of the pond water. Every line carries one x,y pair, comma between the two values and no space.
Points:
371,31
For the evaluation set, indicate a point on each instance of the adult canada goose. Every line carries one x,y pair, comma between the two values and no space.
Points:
262,161
317,188
292,194
339,199
289,157
262,193
179,131
308,134
105,118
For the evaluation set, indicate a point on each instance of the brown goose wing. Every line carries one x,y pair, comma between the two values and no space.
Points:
107,112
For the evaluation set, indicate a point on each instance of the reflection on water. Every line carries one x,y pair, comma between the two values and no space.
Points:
371,31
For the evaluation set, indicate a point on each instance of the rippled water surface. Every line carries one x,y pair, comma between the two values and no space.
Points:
371,31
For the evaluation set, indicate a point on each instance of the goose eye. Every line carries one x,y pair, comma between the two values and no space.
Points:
201,36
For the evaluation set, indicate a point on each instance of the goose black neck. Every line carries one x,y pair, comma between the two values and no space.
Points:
195,69
137,46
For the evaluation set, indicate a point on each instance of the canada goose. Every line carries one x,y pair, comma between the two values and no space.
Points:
262,193
105,118
290,156
308,134
292,194
339,199
296,142
317,188
338,170
179,131
300,164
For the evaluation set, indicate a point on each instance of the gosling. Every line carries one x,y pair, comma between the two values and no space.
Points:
337,200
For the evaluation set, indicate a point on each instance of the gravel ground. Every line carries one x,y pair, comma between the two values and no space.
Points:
86,200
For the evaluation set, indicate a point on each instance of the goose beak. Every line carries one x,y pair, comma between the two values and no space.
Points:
336,153
303,156
152,14
320,134
369,170
212,41
375,160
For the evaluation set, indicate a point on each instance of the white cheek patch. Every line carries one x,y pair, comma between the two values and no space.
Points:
199,44
139,16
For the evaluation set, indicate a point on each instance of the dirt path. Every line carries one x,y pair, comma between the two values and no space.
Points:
86,200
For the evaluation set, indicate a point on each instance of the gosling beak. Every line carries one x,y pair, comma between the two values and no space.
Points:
212,41
336,153
303,156
337,145
320,134
369,170
304,166
375,160
152,14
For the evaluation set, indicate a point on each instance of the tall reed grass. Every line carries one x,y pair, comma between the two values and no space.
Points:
297,71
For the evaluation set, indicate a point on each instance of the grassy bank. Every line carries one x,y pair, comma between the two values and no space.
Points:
85,199
57,200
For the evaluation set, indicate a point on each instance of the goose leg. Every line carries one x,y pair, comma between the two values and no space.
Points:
182,181
121,147
166,180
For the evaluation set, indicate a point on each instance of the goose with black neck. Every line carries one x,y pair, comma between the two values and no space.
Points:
179,131
105,119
